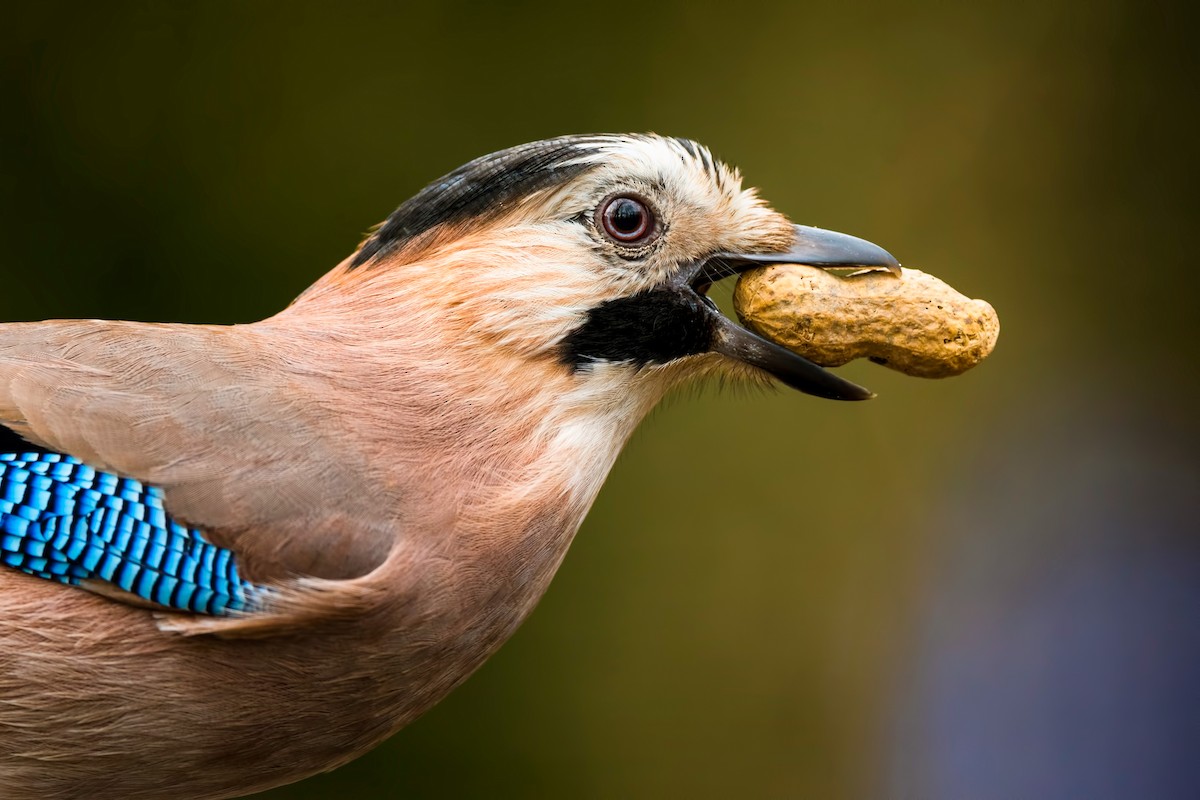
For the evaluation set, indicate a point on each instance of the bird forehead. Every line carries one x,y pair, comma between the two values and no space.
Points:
679,168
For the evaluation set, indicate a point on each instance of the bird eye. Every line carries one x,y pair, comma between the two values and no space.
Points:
627,220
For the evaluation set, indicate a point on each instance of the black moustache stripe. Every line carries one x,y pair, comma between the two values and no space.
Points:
652,327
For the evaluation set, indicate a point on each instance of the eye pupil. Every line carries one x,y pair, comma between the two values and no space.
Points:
627,220
627,216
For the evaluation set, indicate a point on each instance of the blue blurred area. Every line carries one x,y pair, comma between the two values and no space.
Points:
973,588
1059,646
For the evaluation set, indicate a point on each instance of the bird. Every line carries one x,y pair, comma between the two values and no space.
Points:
237,556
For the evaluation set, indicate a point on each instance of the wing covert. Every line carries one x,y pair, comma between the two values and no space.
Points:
63,520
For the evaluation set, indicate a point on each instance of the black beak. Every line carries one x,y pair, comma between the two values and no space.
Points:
813,246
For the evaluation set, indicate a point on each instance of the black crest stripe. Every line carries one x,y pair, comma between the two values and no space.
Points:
486,185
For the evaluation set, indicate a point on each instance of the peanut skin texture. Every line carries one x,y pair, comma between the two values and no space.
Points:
913,322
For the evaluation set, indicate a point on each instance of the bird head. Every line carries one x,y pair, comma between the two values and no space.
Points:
590,257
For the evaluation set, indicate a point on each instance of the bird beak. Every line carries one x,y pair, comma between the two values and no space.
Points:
812,246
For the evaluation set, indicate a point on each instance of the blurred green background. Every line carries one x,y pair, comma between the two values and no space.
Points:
753,603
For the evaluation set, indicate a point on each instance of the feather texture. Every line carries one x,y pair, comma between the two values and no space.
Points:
221,419
358,500
62,520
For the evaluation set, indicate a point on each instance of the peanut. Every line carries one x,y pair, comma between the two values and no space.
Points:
913,322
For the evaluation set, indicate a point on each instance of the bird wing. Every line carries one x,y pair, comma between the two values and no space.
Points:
212,419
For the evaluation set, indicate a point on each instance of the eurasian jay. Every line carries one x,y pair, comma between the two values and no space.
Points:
237,556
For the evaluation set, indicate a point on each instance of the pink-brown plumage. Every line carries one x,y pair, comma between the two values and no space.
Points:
402,456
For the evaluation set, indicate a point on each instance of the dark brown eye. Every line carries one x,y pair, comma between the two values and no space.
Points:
627,220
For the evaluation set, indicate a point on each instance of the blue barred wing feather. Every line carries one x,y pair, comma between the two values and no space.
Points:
64,521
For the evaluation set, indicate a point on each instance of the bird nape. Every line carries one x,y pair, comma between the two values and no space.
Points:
241,555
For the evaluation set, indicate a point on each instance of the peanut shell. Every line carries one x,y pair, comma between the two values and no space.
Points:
913,322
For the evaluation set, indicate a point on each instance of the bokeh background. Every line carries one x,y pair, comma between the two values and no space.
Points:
974,588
